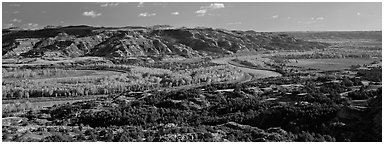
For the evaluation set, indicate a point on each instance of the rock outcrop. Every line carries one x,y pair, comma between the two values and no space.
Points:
75,41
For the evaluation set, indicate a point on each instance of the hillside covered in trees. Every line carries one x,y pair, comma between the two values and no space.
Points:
211,113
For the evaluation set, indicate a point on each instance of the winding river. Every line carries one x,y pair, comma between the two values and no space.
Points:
256,73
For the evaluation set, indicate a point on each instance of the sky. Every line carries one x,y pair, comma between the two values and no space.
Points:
257,16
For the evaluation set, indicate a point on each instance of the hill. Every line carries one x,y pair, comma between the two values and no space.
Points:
75,41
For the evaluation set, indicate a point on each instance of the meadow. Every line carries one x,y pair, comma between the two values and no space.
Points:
328,64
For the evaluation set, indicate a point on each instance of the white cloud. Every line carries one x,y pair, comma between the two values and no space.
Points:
152,4
91,14
235,23
31,26
175,13
146,14
16,20
201,12
213,6
141,4
112,4
16,12
15,5
204,9
313,20
275,16
358,13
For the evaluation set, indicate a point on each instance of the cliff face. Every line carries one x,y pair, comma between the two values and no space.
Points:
77,41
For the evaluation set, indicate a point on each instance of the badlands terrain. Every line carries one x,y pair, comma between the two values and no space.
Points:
159,83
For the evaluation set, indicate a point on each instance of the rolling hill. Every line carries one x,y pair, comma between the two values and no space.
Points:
75,41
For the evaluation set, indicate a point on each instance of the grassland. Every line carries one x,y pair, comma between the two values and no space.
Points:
53,74
12,107
328,64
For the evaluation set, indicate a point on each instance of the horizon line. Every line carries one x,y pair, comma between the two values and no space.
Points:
44,27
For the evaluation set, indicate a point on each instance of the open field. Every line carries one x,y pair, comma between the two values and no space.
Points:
35,104
15,62
338,35
328,64
54,74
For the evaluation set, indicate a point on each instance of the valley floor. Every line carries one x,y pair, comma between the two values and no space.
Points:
239,98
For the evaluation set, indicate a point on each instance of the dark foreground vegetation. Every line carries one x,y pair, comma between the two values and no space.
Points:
208,114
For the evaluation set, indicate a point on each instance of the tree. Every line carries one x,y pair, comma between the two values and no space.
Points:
125,137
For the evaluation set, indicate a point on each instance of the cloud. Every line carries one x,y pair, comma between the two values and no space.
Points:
175,13
275,16
146,14
16,12
141,4
213,6
152,4
16,20
31,26
109,4
313,20
201,12
234,23
91,14
358,13
14,5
